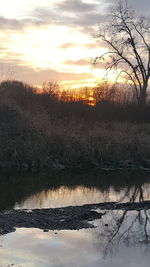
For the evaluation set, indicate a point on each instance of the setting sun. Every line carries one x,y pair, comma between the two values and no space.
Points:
74,133
53,40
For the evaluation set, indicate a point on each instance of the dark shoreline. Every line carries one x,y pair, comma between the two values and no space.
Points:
67,218
9,166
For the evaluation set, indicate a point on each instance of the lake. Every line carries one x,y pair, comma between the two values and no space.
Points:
121,238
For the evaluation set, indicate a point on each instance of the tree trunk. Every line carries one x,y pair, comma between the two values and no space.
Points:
143,95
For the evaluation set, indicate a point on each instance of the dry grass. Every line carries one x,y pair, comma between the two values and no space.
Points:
38,131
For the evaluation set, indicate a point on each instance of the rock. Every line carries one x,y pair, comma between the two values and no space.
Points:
45,230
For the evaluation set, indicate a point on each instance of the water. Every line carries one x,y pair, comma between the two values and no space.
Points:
120,238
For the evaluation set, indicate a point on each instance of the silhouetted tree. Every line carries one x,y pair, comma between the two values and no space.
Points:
128,40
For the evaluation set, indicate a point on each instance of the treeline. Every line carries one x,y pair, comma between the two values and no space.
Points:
47,129
103,102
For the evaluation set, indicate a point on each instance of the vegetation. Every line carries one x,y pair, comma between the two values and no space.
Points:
42,130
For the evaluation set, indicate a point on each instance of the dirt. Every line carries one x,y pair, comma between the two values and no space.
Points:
67,218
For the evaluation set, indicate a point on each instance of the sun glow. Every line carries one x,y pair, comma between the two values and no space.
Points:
42,49
58,52
52,40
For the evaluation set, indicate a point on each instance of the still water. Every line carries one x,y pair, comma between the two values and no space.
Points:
121,238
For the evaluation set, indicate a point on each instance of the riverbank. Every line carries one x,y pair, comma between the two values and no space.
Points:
74,145
38,131
67,218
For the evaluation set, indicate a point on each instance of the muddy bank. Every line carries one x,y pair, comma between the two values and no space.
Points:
68,218
71,218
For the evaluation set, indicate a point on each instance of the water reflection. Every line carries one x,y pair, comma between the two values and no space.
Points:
122,238
79,195
124,228
84,248
55,190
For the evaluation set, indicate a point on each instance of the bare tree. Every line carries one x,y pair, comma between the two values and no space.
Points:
51,88
127,38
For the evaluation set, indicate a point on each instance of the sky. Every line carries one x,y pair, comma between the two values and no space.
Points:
52,40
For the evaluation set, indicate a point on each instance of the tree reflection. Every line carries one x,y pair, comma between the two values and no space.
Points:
112,186
126,227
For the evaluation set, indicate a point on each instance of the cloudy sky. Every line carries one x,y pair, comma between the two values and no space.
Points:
52,39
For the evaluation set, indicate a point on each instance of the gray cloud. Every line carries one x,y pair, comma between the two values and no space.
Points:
10,23
76,6
73,13
55,16
16,25
78,13
45,15
82,20
142,7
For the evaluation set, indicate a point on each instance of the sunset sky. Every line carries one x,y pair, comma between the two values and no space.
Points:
52,39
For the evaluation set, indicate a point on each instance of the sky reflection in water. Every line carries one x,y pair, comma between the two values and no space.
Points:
121,238
79,195
84,248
